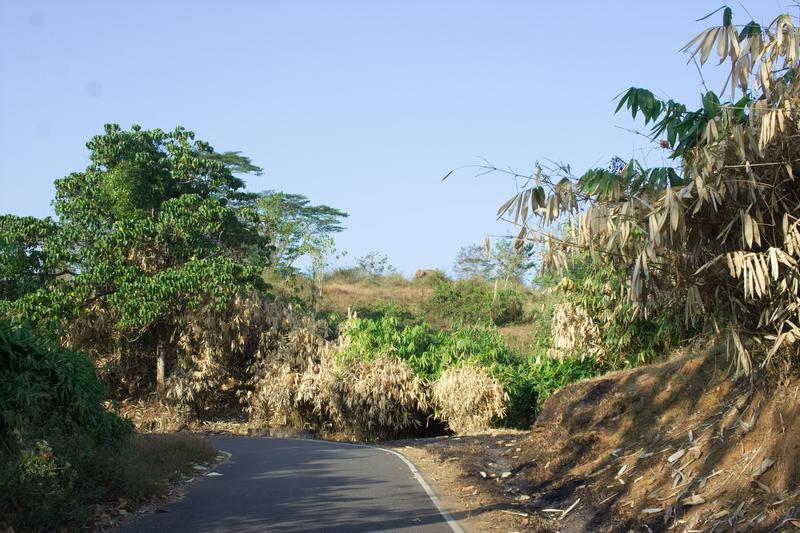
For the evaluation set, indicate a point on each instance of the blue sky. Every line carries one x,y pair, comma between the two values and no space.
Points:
360,105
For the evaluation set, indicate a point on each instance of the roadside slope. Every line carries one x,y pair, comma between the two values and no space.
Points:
674,445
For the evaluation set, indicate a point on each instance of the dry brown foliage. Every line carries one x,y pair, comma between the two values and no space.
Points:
575,334
256,358
468,398
378,398
725,245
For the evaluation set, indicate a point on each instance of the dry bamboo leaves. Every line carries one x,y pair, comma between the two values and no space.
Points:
765,465
726,240
469,398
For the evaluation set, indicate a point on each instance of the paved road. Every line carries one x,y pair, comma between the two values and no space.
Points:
301,485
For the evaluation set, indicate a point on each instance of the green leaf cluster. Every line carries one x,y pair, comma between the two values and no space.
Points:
52,419
157,223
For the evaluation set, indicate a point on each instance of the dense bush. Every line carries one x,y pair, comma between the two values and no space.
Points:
431,351
52,422
592,320
545,376
468,398
475,302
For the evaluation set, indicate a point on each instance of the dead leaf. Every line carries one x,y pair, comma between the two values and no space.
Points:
765,465
693,500
675,456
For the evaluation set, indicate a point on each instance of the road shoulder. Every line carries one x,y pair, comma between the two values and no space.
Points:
475,506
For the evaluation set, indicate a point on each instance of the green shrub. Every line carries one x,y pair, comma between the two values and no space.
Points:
388,308
475,302
626,338
430,351
429,277
547,375
52,420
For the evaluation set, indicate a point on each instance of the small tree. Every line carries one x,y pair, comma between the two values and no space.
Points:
320,248
512,264
472,262
375,264
294,227
506,263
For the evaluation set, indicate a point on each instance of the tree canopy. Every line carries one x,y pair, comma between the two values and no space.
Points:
157,224
293,225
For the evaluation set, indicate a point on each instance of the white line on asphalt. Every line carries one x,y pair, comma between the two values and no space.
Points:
447,516
424,484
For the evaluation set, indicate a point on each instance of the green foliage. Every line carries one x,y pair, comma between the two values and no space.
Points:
236,162
507,263
472,263
430,351
375,264
475,302
24,264
294,226
157,225
388,308
52,420
44,386
628,338
512,262
547,375
682,129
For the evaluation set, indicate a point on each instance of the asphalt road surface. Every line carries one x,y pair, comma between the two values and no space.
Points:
301,485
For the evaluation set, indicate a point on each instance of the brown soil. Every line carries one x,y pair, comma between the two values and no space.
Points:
677,446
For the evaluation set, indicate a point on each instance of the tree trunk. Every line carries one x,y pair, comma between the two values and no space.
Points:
161,359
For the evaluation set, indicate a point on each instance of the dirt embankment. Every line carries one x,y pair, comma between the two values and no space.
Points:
676,446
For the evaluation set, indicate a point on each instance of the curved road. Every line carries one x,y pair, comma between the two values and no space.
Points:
301,485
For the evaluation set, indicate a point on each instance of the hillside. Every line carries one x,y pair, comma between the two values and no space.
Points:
366,296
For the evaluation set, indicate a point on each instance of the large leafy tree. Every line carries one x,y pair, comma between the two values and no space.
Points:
156,225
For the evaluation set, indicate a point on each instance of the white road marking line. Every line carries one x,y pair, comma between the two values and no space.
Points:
427,488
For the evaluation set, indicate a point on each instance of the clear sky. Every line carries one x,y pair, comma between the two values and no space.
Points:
360,105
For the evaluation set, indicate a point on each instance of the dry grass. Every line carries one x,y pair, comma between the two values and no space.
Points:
340,297
157,458
113,481
141,469
306,385
468,398
519,336
675,446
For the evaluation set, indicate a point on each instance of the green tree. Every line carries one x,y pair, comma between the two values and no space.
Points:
472,262
506,263
294,226
157,224
512,263
375,264
25,265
